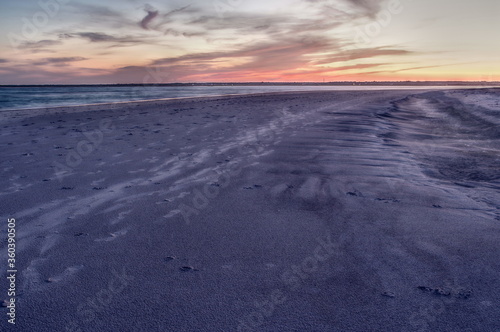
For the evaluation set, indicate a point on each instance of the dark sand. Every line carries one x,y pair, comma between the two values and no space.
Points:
327,211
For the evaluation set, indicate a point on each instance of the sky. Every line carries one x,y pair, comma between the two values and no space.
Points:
132,41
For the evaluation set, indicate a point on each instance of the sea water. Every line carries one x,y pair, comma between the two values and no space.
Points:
51,96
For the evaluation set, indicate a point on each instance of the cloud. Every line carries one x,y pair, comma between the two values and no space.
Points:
359,66
263,54
427,67
4,60
24,74
95,10
286,58
151,14
348,9
362,53
99,37
41,44
172,23
244,45
59,61
244,63
99,14
66,59
96,37
394,71
178,10
367,7
190,21
287,53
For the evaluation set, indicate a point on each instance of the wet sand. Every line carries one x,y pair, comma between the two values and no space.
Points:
317,211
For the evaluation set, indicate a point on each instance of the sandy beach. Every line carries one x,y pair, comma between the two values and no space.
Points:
313,211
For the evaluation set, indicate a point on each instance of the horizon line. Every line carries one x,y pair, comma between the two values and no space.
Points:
253,83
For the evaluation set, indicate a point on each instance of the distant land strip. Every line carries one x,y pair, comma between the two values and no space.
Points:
346,83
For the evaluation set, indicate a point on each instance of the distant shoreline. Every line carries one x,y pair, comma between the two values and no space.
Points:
347,83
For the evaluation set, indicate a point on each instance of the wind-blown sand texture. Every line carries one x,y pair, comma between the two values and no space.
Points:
318,211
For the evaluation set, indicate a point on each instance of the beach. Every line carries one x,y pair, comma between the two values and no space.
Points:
312,211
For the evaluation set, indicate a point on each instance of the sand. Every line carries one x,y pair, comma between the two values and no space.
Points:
317,211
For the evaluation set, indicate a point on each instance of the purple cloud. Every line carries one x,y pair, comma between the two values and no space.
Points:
151,14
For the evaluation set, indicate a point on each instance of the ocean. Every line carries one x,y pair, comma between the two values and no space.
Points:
50,96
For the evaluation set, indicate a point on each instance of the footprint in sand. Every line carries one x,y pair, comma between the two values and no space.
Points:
188,269
387,200
169,259
99,188
113,236
255,186
389,294
460,293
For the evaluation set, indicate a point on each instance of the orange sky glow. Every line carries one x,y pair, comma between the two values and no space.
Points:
93,42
